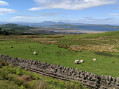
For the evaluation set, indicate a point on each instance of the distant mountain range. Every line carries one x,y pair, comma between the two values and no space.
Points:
44,24
73,26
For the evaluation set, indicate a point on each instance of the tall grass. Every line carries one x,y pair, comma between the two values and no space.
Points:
22,79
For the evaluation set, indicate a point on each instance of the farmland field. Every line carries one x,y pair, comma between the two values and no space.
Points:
64,49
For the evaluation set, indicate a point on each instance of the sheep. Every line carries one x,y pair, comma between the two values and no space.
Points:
81,61
76,61
35,53
94,59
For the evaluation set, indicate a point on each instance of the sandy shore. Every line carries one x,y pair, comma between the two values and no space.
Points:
82,31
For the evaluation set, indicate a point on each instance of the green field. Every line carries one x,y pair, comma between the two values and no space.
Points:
64,49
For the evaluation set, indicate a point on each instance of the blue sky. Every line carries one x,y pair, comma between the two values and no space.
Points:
79,11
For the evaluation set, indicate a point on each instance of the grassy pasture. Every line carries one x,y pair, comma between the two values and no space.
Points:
64,49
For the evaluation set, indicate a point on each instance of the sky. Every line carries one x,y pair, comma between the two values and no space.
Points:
73,11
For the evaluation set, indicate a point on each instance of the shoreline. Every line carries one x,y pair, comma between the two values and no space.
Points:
46,31
82,31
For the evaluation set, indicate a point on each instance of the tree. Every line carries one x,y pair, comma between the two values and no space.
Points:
0,30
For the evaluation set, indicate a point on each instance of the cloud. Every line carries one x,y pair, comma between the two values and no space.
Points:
88,17
114,14
43,13
50,13
70,4
26,18
6,11
3,3
109,19
98,21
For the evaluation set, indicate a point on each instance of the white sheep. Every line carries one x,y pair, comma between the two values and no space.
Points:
76,61
81,61
94,59
35,53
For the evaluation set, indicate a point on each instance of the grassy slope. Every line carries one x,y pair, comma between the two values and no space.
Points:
5,84
16,78
106,61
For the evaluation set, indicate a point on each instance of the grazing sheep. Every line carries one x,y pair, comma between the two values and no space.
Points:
94,59
35,53
81,61
76,61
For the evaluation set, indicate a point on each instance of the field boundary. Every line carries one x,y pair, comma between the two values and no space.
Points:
57,71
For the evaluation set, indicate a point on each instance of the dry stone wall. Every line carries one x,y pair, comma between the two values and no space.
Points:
89,79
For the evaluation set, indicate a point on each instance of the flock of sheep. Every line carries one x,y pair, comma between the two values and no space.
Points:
76,61
81,61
